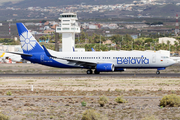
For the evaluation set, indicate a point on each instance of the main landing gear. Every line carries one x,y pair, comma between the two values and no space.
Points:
90,72
158,72
96,72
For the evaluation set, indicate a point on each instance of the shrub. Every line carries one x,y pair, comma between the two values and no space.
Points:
92,115
117,90
102,103
109,90
9,93
119,99
170,101
83,103
160,89
103,100
3,117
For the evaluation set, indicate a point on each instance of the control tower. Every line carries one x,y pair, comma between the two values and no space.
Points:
68,27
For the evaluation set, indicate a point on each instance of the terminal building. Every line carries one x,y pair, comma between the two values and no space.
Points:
68,27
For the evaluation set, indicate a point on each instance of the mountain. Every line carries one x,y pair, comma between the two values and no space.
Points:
45,3
165,10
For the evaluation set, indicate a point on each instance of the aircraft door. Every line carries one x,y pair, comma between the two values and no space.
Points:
154,58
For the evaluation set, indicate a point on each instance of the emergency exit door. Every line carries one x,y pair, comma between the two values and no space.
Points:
154,58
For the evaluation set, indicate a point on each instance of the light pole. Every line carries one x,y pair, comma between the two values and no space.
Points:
100,41
132,46
78,38
120,45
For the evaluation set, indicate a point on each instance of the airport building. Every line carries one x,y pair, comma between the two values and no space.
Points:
68,27
10,48
166,39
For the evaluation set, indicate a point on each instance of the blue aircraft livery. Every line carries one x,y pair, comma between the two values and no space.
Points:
132,60
94,62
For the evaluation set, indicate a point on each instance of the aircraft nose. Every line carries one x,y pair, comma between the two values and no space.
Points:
172,61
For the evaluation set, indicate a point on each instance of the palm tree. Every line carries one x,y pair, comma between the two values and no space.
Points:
176,44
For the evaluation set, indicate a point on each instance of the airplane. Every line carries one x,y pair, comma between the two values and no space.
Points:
115,61
6,56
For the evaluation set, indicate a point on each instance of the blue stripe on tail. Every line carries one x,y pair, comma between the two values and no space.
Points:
28,43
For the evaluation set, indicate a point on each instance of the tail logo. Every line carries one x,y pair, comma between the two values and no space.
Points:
28,42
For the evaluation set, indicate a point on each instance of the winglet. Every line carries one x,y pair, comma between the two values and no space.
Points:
46,51
92,49
2,55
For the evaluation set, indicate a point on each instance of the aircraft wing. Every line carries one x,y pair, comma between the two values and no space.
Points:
78,62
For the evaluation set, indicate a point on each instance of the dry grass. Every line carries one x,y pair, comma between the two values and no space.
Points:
91,89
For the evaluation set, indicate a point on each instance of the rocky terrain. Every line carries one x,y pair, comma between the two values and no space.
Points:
60,98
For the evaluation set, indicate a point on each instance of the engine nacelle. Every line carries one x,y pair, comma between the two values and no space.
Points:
105,67
120,69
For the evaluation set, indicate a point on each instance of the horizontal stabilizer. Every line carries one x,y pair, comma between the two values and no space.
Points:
27,55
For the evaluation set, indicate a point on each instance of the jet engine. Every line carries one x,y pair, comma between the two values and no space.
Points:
105,67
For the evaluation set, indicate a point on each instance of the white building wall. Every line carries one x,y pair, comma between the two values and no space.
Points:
79,49
166,39
68,42
164,52
10,48
93,27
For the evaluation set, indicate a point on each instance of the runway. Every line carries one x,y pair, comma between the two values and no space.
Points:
122,75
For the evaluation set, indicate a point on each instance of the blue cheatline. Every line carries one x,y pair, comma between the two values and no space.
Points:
28,42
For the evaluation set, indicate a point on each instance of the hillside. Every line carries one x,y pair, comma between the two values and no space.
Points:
165,10
45,3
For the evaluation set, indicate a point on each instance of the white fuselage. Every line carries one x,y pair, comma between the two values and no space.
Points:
122,59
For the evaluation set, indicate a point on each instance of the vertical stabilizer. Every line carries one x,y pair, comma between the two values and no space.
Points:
28,42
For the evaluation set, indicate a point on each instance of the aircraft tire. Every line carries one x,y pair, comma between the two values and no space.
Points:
89,71
157,72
